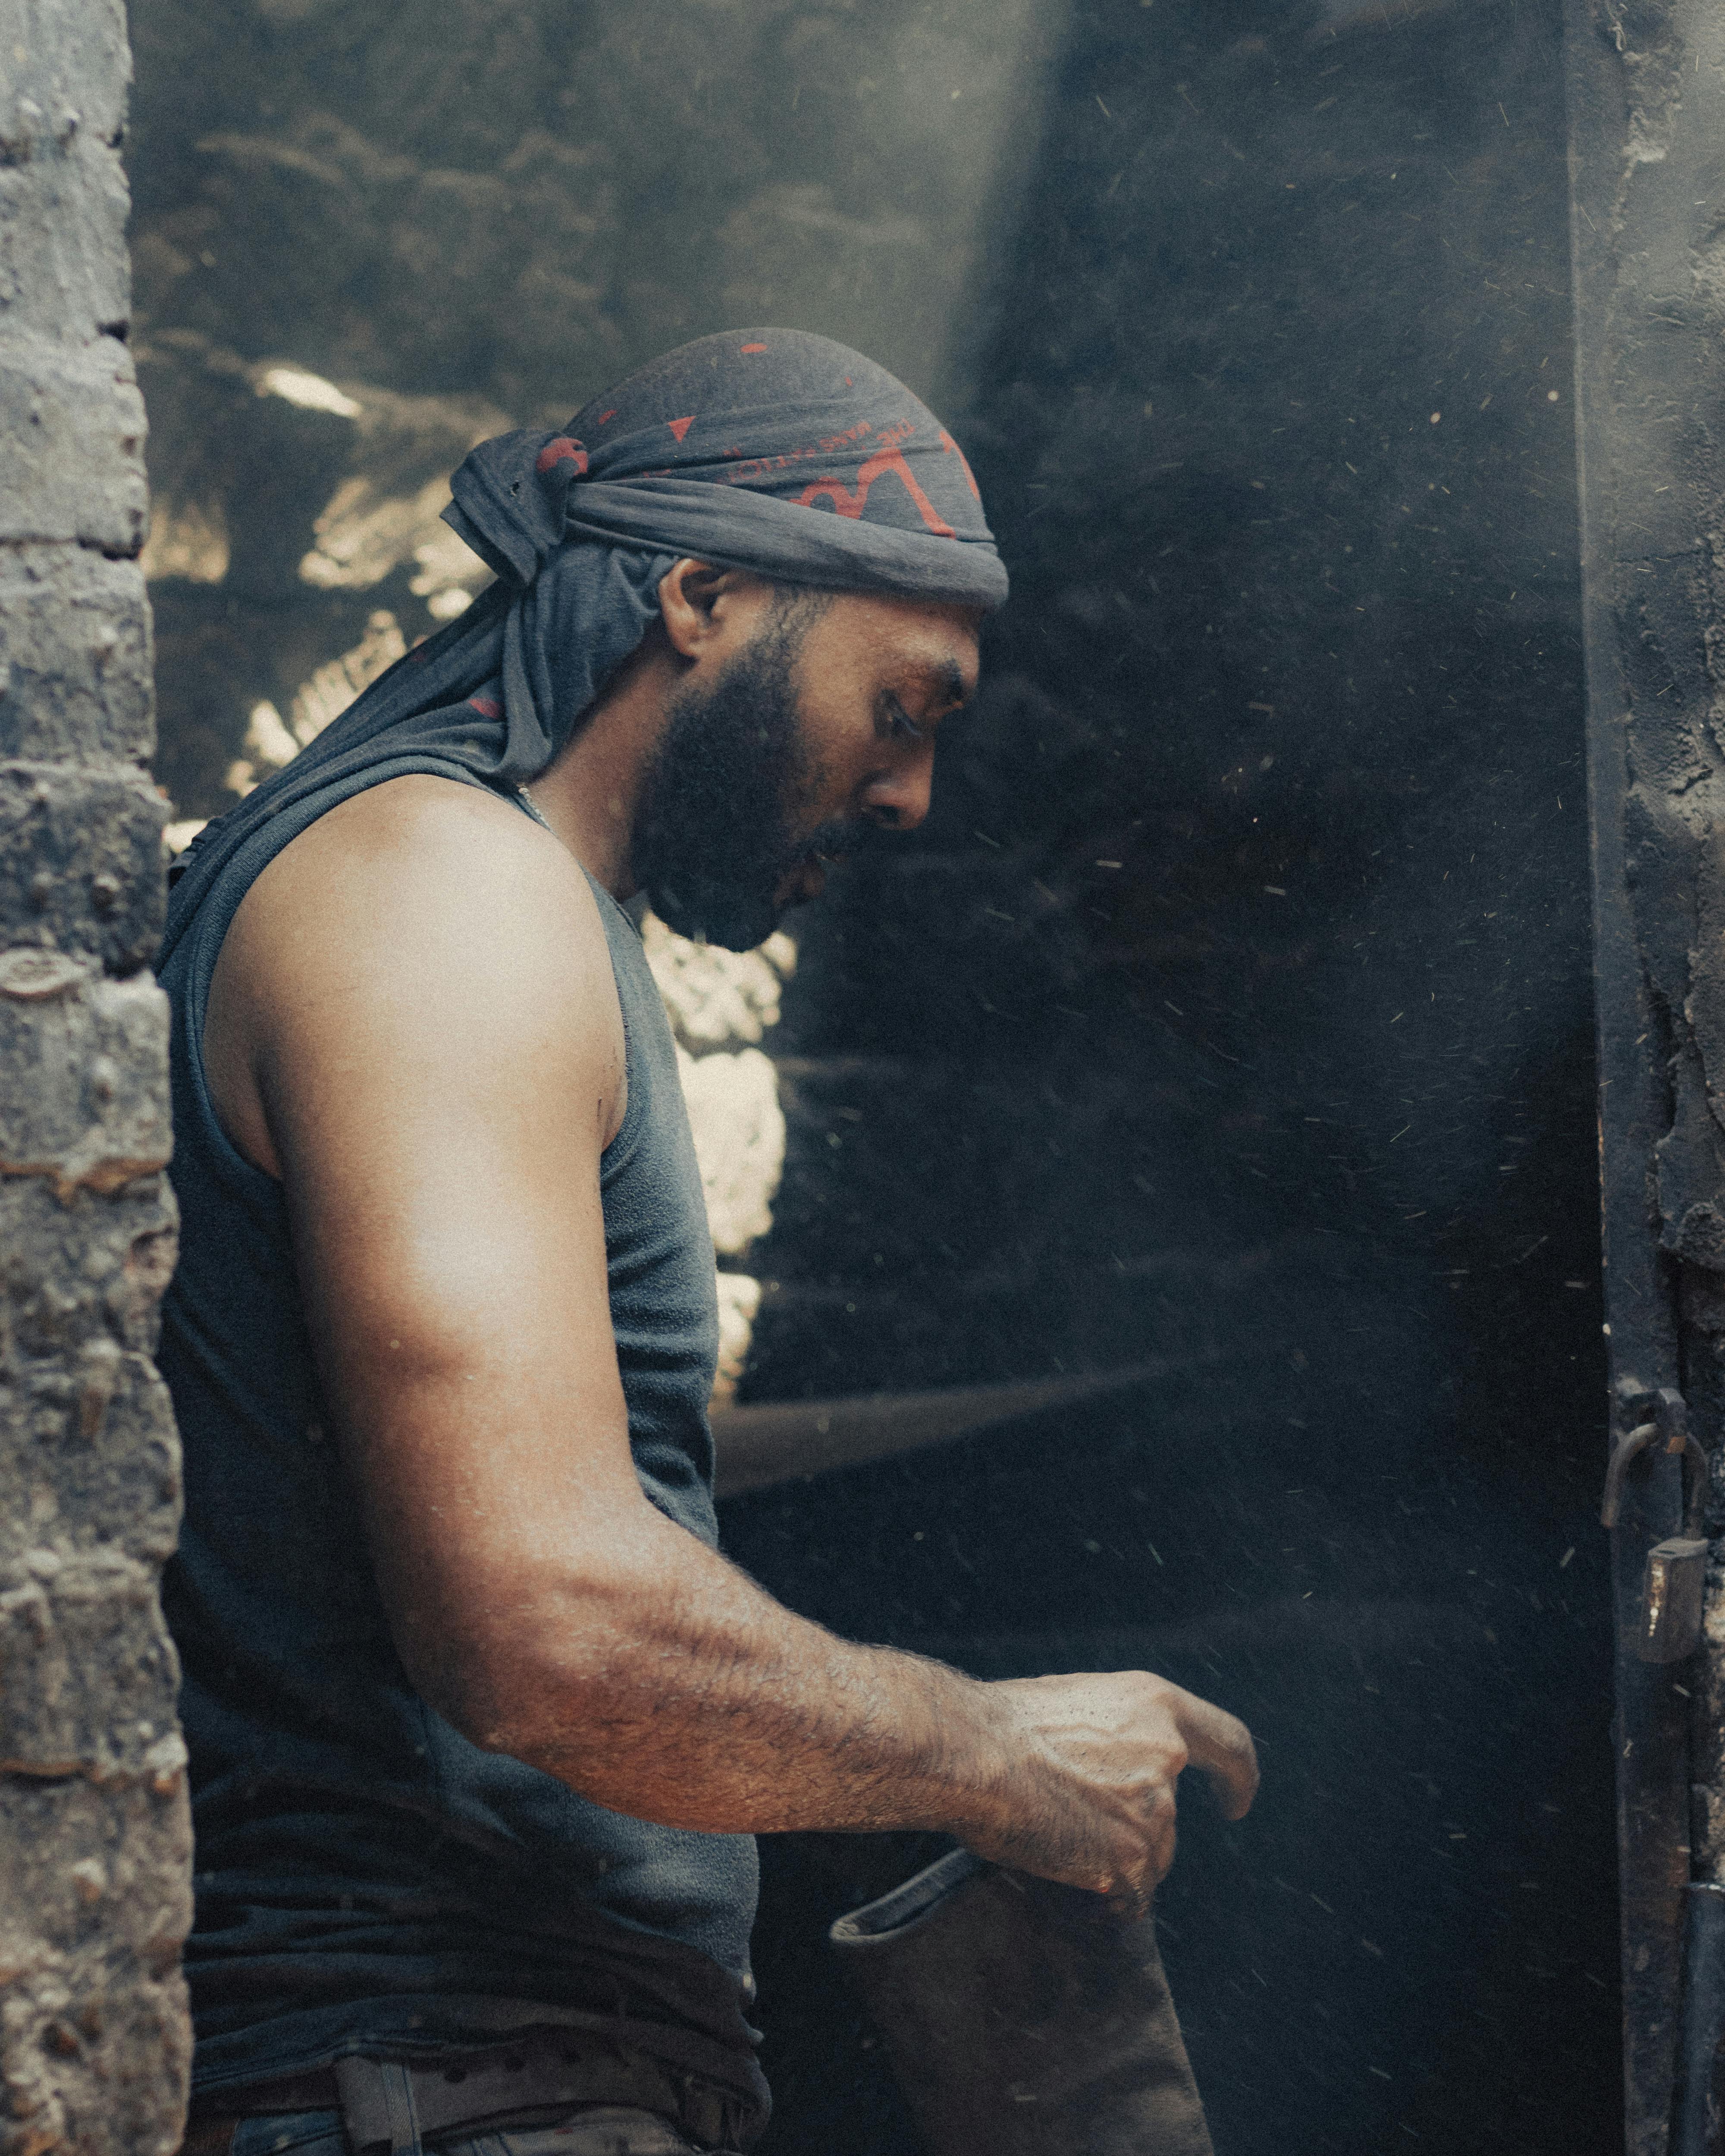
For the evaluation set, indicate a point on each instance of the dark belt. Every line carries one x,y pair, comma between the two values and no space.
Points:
399,2105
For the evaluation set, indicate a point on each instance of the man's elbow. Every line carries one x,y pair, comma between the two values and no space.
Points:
529,1675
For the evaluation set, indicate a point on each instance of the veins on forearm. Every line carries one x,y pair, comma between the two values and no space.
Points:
742,1715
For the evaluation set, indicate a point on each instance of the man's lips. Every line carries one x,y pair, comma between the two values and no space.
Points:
807,880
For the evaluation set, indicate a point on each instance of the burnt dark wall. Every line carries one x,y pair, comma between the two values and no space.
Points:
1232,1013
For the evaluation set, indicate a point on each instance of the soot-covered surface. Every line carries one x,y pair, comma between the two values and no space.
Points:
1233,1009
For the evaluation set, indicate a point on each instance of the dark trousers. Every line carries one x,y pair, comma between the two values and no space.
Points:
595,2130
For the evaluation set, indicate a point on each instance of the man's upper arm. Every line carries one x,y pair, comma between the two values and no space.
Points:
439,1058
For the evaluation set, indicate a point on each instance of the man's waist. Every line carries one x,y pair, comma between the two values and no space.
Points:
531,2078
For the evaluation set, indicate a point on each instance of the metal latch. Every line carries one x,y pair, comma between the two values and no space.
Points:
1673,1589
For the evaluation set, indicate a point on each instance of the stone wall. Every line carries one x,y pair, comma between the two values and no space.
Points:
1646,113
93,1835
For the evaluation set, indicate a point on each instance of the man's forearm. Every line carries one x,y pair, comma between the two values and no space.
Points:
613,1649
662,1682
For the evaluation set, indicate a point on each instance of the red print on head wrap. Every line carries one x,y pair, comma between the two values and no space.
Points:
561,451
851,503
681,426
752,348
953,450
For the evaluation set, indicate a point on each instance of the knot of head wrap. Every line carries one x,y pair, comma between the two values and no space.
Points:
770,450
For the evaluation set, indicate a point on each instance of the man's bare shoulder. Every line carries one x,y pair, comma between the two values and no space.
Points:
422,933
420,831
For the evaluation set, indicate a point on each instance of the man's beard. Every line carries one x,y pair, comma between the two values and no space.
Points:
717,832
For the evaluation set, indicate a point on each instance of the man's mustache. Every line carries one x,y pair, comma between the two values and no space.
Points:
838,840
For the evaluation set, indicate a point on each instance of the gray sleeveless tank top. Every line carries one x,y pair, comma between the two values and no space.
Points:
367,1879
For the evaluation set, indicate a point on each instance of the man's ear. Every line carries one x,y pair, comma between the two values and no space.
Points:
696,602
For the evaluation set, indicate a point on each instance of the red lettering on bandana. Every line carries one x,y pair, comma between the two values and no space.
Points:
488,707
681,426
849,503
753,347
561,451
953,450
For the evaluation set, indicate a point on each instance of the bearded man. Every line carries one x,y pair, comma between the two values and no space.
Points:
481,1723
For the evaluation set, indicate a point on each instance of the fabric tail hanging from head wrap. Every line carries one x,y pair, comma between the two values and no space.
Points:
769,449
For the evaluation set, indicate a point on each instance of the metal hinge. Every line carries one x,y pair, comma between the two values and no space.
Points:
1673,1589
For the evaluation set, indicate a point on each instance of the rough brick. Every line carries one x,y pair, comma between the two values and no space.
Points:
89,1457
71,426
88,1674
93,1899
74,1275
63,268
83,1094
91,1868
95,1839
75,657
94,2061
80,863
63,60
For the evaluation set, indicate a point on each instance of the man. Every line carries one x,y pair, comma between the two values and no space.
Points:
481,1723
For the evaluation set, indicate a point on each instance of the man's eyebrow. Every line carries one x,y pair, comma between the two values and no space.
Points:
940,681
947,680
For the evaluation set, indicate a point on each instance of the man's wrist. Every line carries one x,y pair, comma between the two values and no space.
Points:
976,1745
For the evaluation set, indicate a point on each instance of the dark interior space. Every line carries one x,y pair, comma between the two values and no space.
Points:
1232,1011
1231,1014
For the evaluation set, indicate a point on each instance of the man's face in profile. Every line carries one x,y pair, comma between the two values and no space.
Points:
817,728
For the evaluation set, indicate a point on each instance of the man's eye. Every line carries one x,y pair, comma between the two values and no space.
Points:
902,723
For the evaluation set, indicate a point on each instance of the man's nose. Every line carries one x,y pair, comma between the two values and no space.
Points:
899,798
